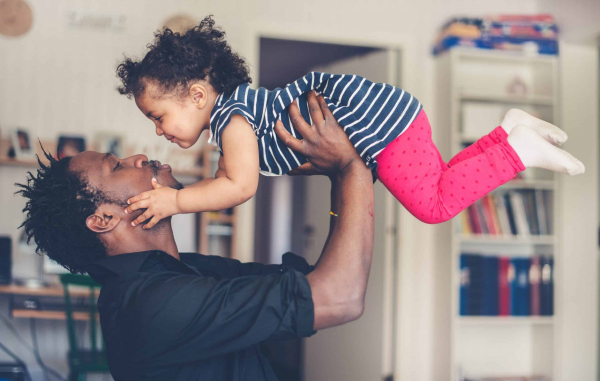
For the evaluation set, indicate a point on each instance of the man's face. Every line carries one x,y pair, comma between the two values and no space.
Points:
122,178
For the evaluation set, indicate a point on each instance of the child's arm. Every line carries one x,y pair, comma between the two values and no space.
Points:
231,188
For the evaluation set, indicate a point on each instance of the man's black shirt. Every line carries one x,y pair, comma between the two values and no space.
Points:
200,318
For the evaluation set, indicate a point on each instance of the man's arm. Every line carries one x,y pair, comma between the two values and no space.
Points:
339,281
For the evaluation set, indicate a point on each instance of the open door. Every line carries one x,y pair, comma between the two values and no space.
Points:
361,350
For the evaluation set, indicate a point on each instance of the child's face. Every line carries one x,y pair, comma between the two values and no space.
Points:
179,120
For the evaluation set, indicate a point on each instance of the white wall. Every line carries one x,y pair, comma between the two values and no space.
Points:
57,80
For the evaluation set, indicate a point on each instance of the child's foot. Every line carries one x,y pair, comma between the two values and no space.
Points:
534,151
550,132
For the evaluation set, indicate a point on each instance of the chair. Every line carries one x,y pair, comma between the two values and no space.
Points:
82,361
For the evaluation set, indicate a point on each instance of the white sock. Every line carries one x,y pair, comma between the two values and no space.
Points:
535,151
515,117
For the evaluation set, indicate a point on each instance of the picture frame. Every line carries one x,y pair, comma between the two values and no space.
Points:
21,143
70,145
110,143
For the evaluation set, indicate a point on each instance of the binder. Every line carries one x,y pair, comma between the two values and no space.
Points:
505,278
520,287
490,286
547,286
535,275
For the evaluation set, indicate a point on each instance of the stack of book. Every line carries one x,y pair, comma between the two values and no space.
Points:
506,32
509,213
506,286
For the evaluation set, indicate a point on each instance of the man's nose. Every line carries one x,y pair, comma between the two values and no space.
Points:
137,160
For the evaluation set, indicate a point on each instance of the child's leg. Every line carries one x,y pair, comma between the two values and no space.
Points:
414,172
496,136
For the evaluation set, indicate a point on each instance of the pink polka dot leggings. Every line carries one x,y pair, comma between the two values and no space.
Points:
412,169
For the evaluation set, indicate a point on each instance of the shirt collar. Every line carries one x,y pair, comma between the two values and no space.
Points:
122,264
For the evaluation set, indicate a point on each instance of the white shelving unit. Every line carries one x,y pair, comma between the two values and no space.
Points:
489,346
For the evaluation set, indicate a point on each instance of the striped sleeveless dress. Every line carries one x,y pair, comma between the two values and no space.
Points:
371,114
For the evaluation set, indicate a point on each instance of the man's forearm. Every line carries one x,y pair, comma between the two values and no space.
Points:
335,206
340,278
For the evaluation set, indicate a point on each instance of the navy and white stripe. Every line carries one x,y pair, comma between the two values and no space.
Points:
372,115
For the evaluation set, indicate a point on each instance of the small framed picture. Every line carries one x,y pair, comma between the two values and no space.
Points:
110,143
22,144
70,145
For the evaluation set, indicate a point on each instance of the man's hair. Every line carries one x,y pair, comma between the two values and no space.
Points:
58,203
174,61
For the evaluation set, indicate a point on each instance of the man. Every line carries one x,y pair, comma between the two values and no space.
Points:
167,315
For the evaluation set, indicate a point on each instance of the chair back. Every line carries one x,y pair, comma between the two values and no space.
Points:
86,281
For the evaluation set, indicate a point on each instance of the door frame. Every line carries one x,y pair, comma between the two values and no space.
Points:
397,71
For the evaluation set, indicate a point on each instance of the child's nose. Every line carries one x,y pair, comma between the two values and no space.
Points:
159,132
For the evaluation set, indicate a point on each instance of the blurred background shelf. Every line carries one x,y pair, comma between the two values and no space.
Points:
504,320
476,90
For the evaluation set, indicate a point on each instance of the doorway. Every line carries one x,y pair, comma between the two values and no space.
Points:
292,214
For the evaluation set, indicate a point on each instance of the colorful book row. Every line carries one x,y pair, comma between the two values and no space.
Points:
506,286
522,212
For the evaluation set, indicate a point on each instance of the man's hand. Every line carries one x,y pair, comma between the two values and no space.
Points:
324,144
159,203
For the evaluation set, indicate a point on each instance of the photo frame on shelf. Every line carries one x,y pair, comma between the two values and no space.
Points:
21,143
110,143
70,145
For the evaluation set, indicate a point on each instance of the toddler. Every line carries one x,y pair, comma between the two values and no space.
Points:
191,82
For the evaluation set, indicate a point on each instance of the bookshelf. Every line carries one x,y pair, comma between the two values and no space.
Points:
497,346
217,230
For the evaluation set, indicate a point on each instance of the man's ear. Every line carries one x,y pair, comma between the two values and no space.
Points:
105,219
199,94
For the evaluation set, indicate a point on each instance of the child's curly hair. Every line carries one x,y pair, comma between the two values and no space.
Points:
175,60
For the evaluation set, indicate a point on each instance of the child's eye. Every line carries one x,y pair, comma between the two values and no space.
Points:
117,166
158,118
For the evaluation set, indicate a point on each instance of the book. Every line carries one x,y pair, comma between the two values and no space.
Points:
520,287
502,214
471,284
510,213
519,213
505,278
547,286
540,209
535,275
490,274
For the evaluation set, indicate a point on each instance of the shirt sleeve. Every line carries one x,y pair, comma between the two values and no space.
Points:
230,108
288,259
186,318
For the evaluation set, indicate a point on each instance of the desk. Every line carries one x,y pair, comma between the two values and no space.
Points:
52,291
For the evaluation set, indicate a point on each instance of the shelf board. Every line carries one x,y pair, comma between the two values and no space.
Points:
52,315
219,217
539,100
6,161
17,162
500,239
504,320
464,52
529,184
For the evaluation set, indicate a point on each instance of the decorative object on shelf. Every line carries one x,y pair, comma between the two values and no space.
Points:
517,87
70,146
180,23
15,18
527,34
110,143
22,147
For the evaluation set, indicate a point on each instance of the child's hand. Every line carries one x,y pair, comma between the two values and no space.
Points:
159,203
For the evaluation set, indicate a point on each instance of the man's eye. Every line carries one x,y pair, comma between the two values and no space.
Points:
117,166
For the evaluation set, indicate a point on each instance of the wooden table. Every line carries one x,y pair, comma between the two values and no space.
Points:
50,291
